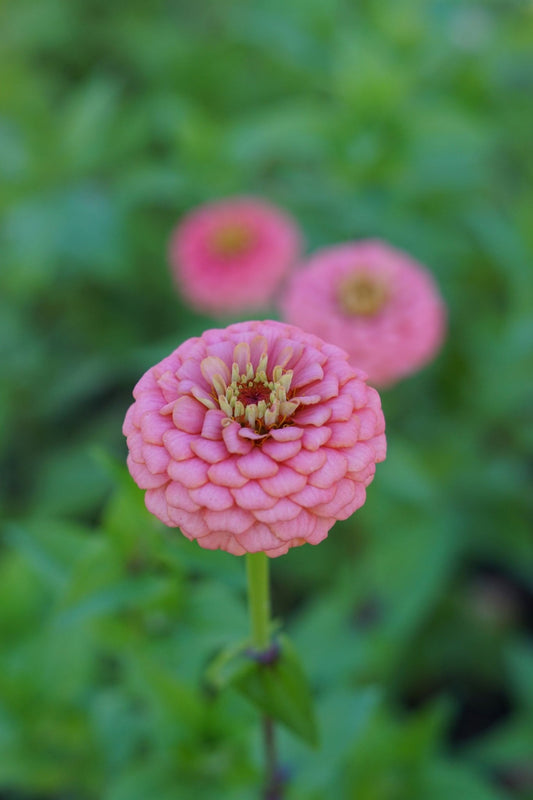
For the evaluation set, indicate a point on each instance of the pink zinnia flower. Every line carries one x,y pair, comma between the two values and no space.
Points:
254,438
230,256
372,300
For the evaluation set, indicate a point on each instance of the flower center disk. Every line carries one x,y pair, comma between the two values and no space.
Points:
232,239
255,399
362,294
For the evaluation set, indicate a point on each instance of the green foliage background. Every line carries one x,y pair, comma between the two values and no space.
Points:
402,119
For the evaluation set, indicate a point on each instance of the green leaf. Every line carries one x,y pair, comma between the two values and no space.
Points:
281,691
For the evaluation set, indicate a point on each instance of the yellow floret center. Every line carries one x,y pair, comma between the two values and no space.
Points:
255,400
362,294
231,239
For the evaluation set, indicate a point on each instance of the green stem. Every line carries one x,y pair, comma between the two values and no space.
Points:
259,599
259,602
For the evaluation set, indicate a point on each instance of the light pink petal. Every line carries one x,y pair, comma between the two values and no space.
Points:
212,496
188,415
314,438
191,473
234,547
234,442
281,451
211,366
288,434
303,375
212,426
322,527
208,450
344,492
241,356
358,391
217,540
334,468
312,415
168,383
282,549
257,464
234,520
284,483
253,497
357,501
178,444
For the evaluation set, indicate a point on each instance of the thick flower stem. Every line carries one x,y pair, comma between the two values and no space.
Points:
257,568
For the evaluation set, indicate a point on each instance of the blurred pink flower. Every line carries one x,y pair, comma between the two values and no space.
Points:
254,438
231,255
372,300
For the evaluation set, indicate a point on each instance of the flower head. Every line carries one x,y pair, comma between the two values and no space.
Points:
374,301
231,255
256,437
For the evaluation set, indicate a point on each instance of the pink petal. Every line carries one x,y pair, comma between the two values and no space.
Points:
216,498
344,492
225,473
287,434
307,374
191,473
135,446
208,450
234,547
154,427
253,497
234,442
312,415
216,540
284,483
242,355
334,468
212,427
312,496
359,456
321,530
179,497
188,415
258,538
156,458
344,434
192,525
178,444
308,461
300,527
156,503
257,464
279,551
143,477
284,509
314,438
280,451
211,366
368,423
341,407
358,391
233,520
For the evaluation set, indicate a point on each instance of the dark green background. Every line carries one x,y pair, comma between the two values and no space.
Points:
402,119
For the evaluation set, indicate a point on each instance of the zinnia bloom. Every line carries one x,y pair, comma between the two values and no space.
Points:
230,256
374,301
256,437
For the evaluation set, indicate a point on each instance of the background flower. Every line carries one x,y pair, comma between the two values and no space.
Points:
375,301
231,255
254,438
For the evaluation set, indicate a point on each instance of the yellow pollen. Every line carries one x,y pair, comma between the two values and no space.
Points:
254,400
362,294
